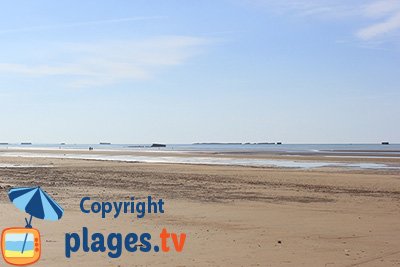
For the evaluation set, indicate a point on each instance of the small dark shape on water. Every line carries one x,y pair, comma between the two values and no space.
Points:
105,143
385,143
279,143
158,145
26,143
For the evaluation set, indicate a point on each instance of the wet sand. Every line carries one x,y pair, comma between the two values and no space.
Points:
243,158
232,215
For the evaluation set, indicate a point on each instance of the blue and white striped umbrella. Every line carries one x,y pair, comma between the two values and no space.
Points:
36,202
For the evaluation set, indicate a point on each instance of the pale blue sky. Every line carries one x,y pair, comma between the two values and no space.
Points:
303,71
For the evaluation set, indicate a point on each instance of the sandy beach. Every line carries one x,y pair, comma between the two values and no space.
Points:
200,133
232,215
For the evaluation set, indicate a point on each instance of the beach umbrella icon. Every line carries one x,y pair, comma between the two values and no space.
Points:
37,203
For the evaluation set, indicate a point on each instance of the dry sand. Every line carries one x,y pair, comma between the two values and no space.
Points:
233,216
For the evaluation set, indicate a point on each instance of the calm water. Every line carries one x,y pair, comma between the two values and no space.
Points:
359,148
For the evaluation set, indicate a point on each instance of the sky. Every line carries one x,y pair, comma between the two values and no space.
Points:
305,71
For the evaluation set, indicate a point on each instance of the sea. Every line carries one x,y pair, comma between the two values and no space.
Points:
220,147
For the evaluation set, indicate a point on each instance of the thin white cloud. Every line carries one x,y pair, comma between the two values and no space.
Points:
381,17
98,64
389,13
78,24
388,26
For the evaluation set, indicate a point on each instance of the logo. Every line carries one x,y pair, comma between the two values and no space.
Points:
21,246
